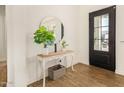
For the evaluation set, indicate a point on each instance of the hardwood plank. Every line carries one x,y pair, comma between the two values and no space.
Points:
3,74
85,76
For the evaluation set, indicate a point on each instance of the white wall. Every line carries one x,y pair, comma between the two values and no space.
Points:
84,35
119,38
10,44
16,18
23,21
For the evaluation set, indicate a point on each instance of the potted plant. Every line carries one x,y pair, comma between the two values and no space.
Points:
45,37
64,45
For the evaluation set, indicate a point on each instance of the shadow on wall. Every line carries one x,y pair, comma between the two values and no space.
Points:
33,69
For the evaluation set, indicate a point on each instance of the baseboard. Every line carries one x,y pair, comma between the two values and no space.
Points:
119,73
10,84
86,63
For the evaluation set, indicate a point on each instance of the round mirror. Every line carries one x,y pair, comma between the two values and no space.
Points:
55,25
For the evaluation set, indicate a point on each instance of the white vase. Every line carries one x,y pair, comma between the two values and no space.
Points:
46,51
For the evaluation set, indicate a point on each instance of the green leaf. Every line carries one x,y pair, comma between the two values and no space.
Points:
42,35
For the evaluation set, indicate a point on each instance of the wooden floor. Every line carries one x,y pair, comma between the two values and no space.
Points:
3,74
85,76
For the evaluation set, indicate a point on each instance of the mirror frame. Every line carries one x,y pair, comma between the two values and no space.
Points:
62,26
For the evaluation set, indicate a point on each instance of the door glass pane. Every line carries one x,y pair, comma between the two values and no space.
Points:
97,21
104,33
97,45
101,32
97,33
104,45
105,20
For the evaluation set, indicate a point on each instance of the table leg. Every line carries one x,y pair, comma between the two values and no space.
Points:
44,75
65,60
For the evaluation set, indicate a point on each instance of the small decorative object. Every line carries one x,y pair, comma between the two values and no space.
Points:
64,45
55,46
45,37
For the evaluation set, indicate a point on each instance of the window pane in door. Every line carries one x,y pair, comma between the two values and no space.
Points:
97,33
97,45
97,21
105,20
105,32
101,32
104,45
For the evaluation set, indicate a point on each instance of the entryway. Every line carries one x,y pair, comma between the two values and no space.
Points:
102,38
3,48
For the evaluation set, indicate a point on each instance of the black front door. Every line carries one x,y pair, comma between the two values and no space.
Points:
102,38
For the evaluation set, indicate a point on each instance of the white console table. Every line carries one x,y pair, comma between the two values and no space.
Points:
54,55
